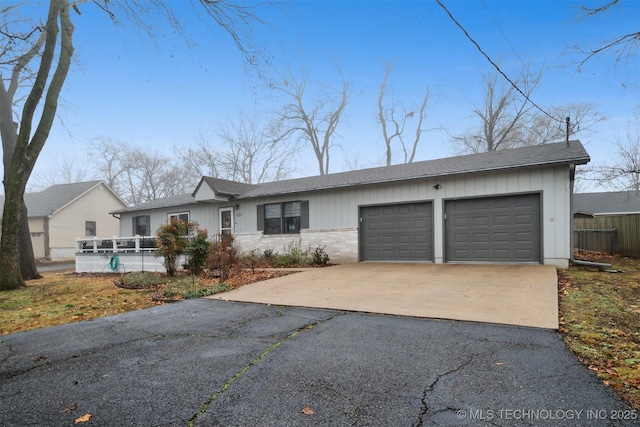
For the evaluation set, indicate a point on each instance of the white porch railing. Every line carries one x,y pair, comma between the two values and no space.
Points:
118,254
115,244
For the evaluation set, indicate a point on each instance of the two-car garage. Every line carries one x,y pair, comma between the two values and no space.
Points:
484,229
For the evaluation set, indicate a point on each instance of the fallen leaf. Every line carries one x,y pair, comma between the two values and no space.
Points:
39,359
69,409
307,410
499,363
83,419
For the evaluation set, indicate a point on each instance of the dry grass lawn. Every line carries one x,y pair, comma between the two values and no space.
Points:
60,298
66,297
600,321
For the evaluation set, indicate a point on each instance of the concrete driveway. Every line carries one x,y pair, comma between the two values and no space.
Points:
523,295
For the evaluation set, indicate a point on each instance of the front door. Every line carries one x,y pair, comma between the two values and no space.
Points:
226,221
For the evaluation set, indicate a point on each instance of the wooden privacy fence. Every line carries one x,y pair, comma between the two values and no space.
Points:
613,234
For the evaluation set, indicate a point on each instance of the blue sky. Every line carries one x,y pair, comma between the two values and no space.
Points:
159,94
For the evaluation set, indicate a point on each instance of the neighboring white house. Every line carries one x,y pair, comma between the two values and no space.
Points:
61,213
510,206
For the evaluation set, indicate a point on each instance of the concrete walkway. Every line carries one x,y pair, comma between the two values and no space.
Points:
524,295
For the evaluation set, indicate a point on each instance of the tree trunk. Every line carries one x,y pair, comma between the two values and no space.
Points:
10,274
28,267
28,146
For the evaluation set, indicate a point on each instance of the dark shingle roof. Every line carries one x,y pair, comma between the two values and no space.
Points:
538,155
607,203
229,188
50,200
165,202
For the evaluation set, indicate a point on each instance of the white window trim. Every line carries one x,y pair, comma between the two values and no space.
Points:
177,215
220,227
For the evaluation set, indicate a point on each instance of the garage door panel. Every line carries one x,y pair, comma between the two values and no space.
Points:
397,232
495,229
480,238
403,225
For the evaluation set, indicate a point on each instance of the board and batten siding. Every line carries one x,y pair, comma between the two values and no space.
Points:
205,214
333,214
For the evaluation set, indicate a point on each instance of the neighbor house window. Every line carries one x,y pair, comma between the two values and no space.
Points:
282,218
90,228
142,225
181,216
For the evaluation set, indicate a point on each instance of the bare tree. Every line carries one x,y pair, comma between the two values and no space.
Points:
22,146
247,152
393,119
108,156
150,176
137,175
624,46
255,154
201,160
544,128
624,173
315,122
66,169
504,116
50,46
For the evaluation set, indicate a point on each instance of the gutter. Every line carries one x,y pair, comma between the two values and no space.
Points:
602,266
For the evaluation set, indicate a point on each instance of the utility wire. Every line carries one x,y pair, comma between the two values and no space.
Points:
501,32
494,64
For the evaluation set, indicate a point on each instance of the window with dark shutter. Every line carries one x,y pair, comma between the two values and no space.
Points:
304,214
260,215
283,218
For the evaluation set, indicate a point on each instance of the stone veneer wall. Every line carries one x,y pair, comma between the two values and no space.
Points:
341,244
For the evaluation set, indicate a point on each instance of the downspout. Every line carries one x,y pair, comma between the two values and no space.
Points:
572,174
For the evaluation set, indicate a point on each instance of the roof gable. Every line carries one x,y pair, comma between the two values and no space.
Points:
53,199
210,188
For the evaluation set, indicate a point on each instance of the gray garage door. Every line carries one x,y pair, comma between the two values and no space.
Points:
397,232
496,229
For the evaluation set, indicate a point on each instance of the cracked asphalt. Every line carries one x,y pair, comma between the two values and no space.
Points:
208,363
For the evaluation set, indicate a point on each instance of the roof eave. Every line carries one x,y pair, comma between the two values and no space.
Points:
576,161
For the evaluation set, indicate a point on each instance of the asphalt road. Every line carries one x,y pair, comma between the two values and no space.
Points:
56,266
241,364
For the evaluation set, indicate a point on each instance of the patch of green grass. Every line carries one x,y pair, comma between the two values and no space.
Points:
600,321
142,280
191,287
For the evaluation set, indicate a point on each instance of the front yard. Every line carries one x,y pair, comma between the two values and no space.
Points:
599,311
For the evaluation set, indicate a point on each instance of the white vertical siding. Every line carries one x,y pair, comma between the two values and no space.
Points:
334,221
205,214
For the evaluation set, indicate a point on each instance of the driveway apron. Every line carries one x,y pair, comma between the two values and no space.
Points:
523,295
